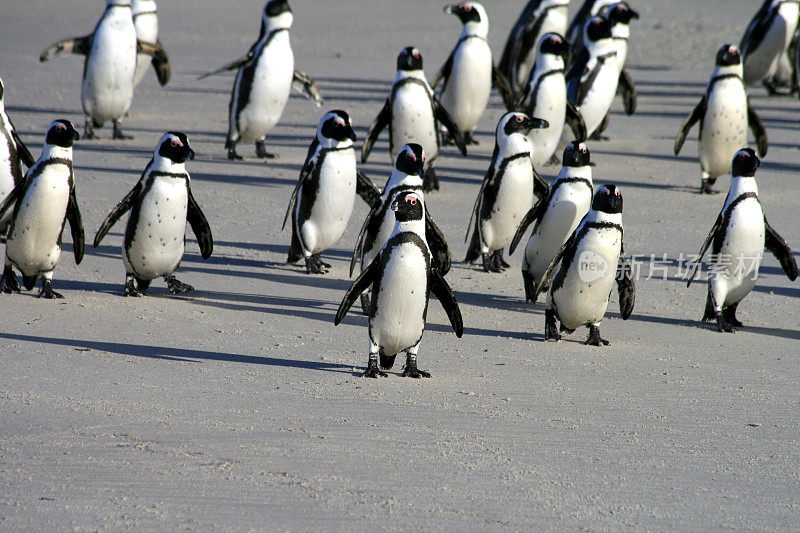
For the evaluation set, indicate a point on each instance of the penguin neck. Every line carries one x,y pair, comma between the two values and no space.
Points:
333,144
603,217
741,185
143,6
475,29
514,144
165,164
727,70
51,151
601,47
410,226
280,22
399,178
621,31
406,74
575,172
789,10
547,63
600,4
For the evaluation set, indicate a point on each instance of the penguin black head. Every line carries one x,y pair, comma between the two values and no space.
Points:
411,159
598,28
607,199
515,122
61,133
728,55
745,163
409,59
273,8
553,43
465,11
175,146
576,155
621,13
407,206
337,125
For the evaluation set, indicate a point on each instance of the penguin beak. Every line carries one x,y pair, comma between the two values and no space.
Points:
634,14
537,123
188,152
351,134
75,135
450,9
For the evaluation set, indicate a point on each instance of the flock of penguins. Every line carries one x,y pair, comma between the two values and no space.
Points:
558,80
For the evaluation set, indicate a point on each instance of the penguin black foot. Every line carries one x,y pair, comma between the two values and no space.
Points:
88,130
554,161
373,371
530,287
9,281
411,370
117,134
499,255
729,314
594,337
48,292
469,139
177,287
723,325
315,265
493,262
550,326
431,182
705,188
130,287
232,155
261,151
597,136
366,303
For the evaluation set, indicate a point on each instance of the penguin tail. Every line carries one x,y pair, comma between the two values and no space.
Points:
387,361
29,281
709,314
474,250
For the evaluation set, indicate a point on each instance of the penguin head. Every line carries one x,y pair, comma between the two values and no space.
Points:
467,12
597,29
407,206
555,44
409,59
61,133
336,125
273,8
728,55
516,122
175,146
576,155
277,14
621,13
118,3
411,159
607,199
745,163
2,90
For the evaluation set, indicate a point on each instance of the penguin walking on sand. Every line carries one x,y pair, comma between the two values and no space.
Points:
724,113
590,261
469,73
145,20
539,18
43,202
737,241
402,276
13,154
263,82
322,201
508,191
161,204
379,222
413,115
556,216
108,73
766,41
546,97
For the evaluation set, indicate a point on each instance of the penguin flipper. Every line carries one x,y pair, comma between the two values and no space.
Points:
756,30
381,121
437,244
121,208
367,190
626,287
22,151
628,92
444,73
16,193
534,213
306,85
376,204
486,179
197,220
75,45
697,114
445,295
75,226
160,60
576,122
704,248
235,65
304,174
542,283
775,244
758,129
444,118
504,88
540,187
362,282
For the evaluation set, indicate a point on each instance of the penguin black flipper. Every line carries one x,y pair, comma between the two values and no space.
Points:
504,88
306,85
576,89
757,28
75,226
160,60
362,282
628,91
568,247
696,115
357,250
517,40
575,29
381,121
534,213
235,65
445,295
444,118
576,122
758,129
121,208
16,193
22,151
626,288
75,45
444,72
486,179
197,220
440,251
308,168
704,248
775,244
367,190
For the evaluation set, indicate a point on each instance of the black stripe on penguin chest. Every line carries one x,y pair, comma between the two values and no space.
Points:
493,187
310,190
136,209
393,246
722,233
248,74
375,223
568,260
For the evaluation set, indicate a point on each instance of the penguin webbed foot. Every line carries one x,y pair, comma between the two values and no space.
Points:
373,371
469,138
705,187
411,370
48,292
315,265
232,155
530,287
131,289
594,337
88,129
550,326
597,136
431,181
117,134
261,151
177,287
729,313
9,281
724,325
493,262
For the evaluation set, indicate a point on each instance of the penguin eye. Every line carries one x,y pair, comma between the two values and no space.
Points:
411,156
519,118
466,7
61,127
411,200
616,193
175,144
606,192
415,53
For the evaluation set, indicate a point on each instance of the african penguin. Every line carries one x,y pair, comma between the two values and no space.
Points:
413,114
508,191
13,153
766,40
539,18
469,73
43,202
161,204
724,113
322,201
145,20
379,223
590,261
737,242
556,216
402,277
588,9
263,82
111,52
546,97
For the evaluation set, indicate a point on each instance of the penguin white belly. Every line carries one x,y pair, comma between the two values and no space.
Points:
467,92
334,202
413,121
555,21
146,26
724,127
550,105
108,78
735,271
401,301
33,241
583,297
598,100
763,61
159,236
6,173
385,231
269,92
514,199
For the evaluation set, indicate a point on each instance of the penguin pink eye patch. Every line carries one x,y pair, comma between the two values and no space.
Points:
175,144
411,200
519,118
